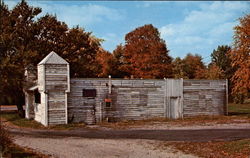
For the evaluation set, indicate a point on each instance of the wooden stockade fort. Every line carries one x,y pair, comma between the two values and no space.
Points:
52,97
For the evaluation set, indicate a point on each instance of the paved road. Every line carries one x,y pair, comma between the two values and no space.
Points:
192,135
110,143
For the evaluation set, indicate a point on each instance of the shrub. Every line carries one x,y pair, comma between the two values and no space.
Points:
239,98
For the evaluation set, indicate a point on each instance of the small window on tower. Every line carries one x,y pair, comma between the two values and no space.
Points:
89,93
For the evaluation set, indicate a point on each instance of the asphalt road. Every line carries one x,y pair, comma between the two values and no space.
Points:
197,135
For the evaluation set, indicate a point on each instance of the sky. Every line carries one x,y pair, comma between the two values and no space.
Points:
186,26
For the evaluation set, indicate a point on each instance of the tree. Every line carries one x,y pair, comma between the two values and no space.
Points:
105,60
179,68
240,56
194,67
220,58
214,72
112,64
118,62
25,41
146,54
16,32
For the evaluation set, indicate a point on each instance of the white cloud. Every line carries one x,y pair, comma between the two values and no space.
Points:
111,40
210,25
11,4
167,30
87,14
84,14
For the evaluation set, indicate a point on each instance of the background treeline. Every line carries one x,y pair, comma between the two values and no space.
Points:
25,40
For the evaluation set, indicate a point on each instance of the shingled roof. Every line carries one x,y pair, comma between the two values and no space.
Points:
53,58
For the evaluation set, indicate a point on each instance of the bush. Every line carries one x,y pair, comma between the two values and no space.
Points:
239,98
5,139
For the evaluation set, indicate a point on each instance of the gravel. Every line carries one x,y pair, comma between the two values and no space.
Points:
74,147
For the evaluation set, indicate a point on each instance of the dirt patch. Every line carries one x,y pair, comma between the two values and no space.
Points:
104,148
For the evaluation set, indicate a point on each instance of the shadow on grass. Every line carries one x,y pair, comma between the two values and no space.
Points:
16,151
10,115
238,114
14,118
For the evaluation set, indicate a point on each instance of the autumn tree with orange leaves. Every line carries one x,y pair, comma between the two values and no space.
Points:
26,38
105,60
240,56
194,67
146,54
214,72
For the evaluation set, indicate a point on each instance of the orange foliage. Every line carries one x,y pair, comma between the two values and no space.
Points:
104,58
240,56
214,72
146,54
194,67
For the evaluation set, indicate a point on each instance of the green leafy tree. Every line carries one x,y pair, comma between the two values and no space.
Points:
220,57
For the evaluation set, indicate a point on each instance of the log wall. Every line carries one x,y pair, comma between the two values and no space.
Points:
130,99
56,76
204,97
142,99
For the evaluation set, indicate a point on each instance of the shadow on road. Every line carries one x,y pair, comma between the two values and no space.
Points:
164,135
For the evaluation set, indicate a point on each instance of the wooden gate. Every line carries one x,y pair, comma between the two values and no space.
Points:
174,98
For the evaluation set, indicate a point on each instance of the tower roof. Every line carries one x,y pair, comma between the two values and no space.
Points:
53,58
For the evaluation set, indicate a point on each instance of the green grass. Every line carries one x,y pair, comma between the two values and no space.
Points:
14,118
239,109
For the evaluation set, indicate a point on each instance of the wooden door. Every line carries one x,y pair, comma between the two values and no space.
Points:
174,98
175,108
90,111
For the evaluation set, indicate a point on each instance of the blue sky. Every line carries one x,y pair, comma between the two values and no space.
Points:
187,27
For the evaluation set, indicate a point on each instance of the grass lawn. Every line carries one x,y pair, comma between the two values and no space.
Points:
239,109
13,118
